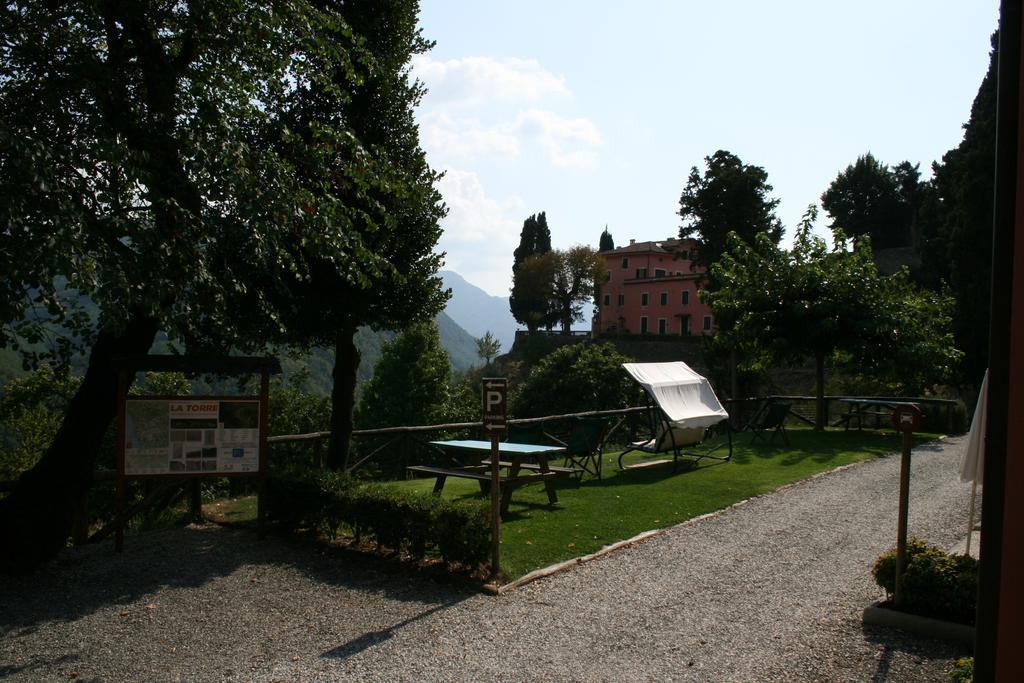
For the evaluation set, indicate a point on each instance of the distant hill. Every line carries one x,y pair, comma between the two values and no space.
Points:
479,312
460,345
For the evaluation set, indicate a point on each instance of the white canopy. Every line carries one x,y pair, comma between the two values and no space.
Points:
685,396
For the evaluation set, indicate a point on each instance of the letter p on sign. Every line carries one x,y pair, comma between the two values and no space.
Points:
495,404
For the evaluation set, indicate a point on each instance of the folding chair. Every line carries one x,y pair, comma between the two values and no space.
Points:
772,419
585,443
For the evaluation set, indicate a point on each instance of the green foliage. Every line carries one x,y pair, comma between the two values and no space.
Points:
295,411
606,242
529,299
550,288
730,197
487,347
866,199
956,226
417,523
778,307
573,379
963,670
534,239
410,384
934,583
30,413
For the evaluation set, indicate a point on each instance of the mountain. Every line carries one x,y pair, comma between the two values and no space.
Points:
478,312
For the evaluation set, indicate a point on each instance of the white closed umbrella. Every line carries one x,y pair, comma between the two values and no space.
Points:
972,462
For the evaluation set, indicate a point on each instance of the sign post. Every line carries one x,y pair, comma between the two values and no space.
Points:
495,406
906,419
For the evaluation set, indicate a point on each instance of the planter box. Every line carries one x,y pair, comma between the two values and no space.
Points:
880,615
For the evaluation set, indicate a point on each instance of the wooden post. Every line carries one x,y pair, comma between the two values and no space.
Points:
906,419
495,509
195,499
494,397
264,456
122,394
901,531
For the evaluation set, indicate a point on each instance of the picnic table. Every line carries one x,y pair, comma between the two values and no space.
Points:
859,408
520,464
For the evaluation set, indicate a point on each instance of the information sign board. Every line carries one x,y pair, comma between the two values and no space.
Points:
196,435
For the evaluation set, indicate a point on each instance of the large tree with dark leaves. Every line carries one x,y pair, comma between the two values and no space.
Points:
956,226
399,219
728,197
535,240
154,156
867,198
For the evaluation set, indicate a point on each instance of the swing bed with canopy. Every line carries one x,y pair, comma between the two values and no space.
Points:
686,418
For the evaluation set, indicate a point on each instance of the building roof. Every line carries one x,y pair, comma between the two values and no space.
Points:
655,246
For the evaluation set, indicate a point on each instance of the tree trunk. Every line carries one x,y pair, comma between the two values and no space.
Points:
38,516
343,398
819,413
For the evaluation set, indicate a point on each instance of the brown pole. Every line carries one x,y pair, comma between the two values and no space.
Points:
122,393
901,532
264,455
495,508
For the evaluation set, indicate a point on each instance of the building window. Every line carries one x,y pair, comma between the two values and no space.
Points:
684,326
662,325
659,272
685,255
686,297
607,299
641,273
643,299
707,323
643,324
625,262
622,299
664,298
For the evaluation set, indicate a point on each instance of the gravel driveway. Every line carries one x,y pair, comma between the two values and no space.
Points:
768,590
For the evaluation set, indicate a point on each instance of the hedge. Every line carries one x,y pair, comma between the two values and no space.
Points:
418,523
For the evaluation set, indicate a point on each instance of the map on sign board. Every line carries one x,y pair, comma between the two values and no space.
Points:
200,436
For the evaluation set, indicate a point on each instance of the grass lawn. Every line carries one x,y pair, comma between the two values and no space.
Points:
595,513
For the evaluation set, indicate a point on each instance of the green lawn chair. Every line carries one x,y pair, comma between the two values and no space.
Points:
585,443
772,418
530,433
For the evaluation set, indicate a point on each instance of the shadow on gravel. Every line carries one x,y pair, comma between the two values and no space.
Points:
368,640
892,641
87,579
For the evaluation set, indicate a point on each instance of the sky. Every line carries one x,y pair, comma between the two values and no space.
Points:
595,111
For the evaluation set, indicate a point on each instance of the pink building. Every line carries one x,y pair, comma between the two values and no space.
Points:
651,289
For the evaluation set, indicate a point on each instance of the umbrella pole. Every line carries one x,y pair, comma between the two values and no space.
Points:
970,516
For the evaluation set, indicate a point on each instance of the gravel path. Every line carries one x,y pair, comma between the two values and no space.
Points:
768,590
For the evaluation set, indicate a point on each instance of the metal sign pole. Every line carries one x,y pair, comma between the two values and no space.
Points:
495,402
906,419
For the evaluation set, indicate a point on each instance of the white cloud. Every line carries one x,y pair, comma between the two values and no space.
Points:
446,136
475,80
568,142
480,232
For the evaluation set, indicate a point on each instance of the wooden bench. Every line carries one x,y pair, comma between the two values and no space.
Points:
534,466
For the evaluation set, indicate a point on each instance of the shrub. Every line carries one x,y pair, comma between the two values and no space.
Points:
935,583
574,379
412,521
963,670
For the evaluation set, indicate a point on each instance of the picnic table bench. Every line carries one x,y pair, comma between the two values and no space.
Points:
511,478
859,408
